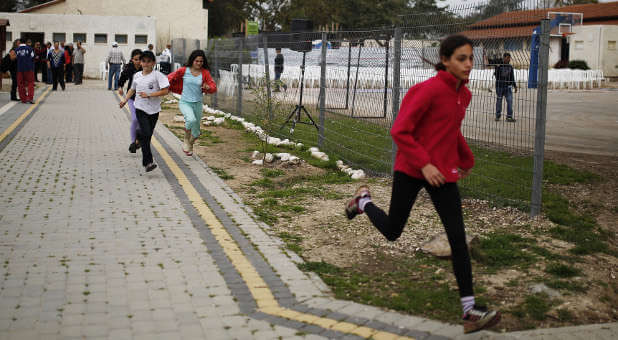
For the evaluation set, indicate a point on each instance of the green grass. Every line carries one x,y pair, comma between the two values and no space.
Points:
221,173
536,306
271,173
572,286
562,270
503,250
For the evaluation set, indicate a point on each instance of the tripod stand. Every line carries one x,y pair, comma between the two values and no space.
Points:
295,116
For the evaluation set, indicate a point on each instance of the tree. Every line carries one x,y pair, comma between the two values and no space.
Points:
267,12
562,3
224,16
355,14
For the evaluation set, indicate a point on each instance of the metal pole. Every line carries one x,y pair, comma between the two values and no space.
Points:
267,74
356,78
396,88
347,86
388,40
541,111
239,97
215,74
322,91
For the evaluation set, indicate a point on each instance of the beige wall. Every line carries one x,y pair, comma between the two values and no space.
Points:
96,53
596,44
175,19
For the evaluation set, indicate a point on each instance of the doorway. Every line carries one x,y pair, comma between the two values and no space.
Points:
34,36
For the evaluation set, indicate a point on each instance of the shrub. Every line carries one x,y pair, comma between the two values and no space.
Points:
578,65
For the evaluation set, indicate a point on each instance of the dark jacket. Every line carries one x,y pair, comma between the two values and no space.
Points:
127,75
25,58
279,63
505,76
9,65
52,61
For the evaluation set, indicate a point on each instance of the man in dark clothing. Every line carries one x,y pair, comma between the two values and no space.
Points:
25,73
40,61
55,62
279,70
9,63
505,84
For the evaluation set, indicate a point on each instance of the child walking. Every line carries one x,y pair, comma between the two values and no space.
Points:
433,154
127,74
190,81
149,85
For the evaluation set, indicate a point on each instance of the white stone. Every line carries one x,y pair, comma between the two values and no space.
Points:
314,149
358,174
255,154
211,117
179,119
207,123
283,156
299,145
339,164
269,158
258,162
219,121
294,160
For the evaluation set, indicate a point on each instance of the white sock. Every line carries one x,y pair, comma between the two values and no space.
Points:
363,201
467,303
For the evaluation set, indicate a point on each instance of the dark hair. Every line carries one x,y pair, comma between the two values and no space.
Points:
278,49
135,52
448,47
148,55
195,54
506,54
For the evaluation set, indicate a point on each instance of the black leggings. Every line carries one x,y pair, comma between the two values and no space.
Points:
147,124
447,202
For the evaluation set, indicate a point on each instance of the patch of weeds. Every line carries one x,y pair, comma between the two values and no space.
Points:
221,173
537,306
292,242
208,137
562,174
565,315
562,270
264,183
271,173
499,250
566,285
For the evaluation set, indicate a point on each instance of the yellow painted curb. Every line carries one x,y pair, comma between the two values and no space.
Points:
260,291
23,116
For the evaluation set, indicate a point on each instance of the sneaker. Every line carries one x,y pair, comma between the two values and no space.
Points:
132,147
510,119
351,208
479,318
150,167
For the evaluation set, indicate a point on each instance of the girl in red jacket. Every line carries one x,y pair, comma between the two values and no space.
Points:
433,154
190,82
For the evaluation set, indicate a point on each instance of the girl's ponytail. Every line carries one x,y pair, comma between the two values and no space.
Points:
440,67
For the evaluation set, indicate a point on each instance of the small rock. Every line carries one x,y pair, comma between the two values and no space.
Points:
542,288
438,246
179,119
255,154
258,162
219,121
299,145
439,271
269,158
314,149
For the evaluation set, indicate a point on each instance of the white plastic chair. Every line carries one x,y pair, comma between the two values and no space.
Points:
103,70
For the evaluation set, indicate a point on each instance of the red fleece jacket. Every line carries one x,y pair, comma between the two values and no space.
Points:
175,79
427,128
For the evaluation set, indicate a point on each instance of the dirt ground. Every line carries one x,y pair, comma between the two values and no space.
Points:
357,244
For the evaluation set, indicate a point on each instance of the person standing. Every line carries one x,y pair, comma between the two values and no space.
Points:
505,85
48,48
166,60
191,81
55,62
40,57
78,63
68,60
115,59
150,86
9,64
433,154
25,73
129,70
279,69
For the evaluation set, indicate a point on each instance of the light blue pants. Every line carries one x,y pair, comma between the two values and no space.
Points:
114,71
193,116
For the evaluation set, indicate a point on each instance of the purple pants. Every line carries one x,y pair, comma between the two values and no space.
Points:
134,123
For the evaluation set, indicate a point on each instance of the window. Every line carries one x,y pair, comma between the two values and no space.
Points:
141,39
9,36
579,44
513,44
100,38
79,37
121,38
59,37
611,45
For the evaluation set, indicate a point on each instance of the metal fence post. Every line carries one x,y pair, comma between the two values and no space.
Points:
396,87
539,133
322,90
215,73
267,75
240,59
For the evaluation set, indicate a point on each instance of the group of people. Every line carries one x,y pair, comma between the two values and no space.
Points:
55,62
115,60
146,86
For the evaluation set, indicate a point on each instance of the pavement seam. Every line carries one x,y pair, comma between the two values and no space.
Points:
16,126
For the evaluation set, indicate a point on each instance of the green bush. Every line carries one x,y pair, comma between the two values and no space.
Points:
578,64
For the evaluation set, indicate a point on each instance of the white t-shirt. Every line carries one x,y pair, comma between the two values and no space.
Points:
150,83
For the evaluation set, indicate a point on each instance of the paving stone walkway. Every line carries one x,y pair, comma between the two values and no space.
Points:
92,247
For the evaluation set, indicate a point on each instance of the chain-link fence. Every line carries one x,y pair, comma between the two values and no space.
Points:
342,90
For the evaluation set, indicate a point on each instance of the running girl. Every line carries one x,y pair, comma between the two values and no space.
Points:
127,74
433,154
190,85
149,85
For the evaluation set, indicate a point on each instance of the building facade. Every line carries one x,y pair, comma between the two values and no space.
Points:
174,19
95,32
